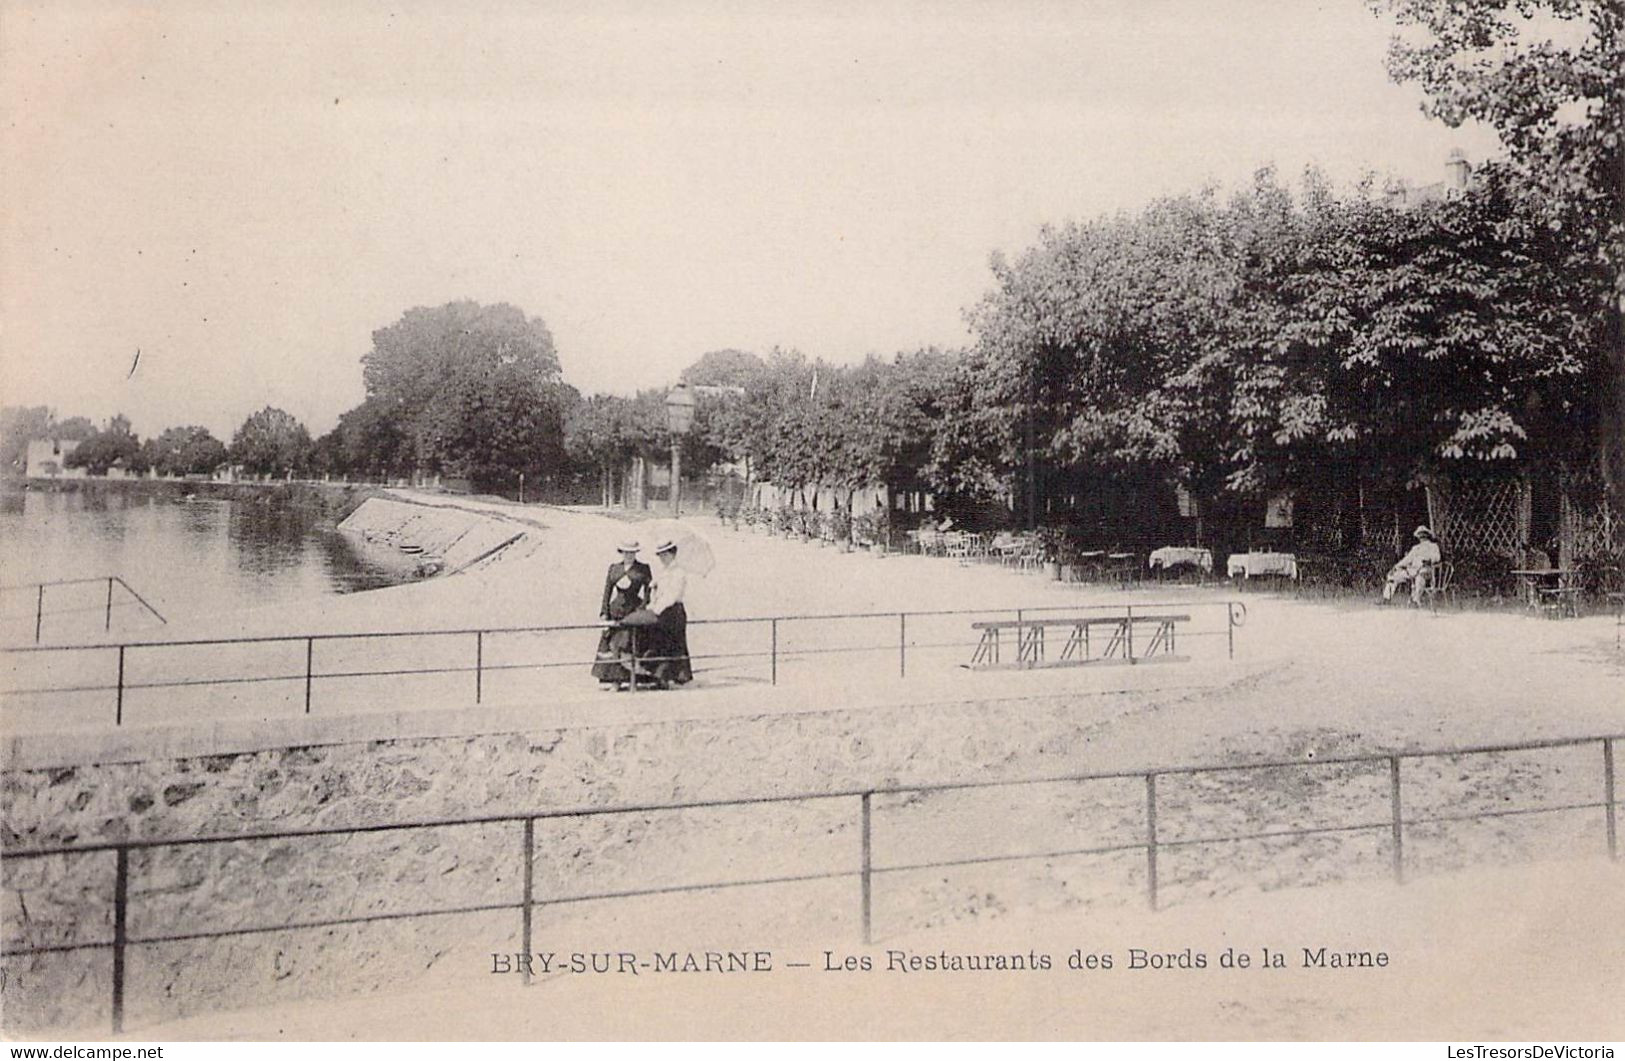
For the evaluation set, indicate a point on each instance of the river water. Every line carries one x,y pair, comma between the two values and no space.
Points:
187,557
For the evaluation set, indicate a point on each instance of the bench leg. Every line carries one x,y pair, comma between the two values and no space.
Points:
988,650
1030,645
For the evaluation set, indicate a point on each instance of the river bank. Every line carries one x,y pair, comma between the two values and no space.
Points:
334,500
96,560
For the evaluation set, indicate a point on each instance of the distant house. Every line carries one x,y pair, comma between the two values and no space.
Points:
1458,178
48,459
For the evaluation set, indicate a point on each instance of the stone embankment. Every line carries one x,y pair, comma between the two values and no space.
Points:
475,767
447,539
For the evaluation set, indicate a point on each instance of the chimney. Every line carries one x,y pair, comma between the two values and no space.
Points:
1456,170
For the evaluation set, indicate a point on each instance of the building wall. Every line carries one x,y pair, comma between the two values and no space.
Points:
47,459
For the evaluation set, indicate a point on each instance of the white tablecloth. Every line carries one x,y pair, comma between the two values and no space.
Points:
1249,564
1172,555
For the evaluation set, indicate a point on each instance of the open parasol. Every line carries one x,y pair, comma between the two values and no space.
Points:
693,551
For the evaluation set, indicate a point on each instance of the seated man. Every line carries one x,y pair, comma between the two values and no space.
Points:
1423,555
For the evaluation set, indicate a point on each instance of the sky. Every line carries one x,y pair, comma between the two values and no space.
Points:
245,192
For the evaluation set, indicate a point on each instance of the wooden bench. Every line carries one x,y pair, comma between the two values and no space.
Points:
1030,636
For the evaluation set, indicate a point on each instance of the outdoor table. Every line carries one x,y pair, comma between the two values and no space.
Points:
927,542
1548,582
1173,555
1093,561
1248,565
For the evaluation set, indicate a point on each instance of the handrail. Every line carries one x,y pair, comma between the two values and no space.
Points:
54,582
865,869
131,591
1235,616
568,627
39,600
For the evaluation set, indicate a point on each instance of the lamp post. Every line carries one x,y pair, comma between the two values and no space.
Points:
679,417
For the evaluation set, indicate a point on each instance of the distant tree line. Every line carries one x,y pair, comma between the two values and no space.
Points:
1234,345
270,442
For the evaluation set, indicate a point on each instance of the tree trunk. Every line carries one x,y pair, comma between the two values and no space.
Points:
1611,444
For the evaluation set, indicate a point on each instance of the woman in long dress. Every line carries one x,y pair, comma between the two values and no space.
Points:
626,589
667,656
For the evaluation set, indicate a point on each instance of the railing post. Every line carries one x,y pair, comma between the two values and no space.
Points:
121,904
529,862
1129,623
774,679
1230,627
1398,822
310,654
867,876
39,612
902,644
1151,840
632,664
479,665
1608,798
118,706
108,625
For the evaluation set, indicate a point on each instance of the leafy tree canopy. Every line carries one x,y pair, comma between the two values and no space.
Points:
116,444
270,442
1546,76
723,368
473,390
189,450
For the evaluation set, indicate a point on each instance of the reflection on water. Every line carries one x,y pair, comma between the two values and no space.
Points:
187,557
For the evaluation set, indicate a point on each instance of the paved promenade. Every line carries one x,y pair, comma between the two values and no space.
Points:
1345,673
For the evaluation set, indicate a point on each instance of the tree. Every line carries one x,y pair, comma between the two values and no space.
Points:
606,431
189,450
372,440
74,428
116,444
1243,346
473,390
1105,348
724,368
270,442
1439,334
1545,74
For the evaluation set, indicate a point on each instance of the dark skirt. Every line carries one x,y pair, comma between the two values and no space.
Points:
614,653
667,651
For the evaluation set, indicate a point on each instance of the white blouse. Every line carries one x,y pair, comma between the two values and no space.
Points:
670,587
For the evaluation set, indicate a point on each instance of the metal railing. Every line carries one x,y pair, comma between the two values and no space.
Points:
38,591
479,642
1393,823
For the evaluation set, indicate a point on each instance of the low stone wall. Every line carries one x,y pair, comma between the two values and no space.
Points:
261,885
